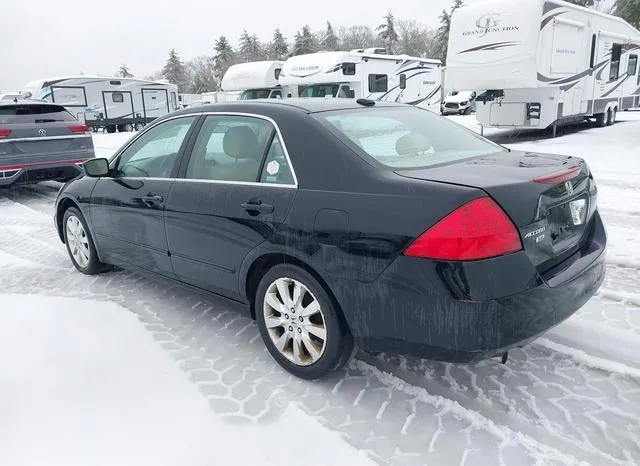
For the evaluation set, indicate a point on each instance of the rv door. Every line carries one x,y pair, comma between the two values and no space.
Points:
117,104
155,102
568,58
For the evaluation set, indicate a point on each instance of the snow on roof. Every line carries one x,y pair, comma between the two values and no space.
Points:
252,75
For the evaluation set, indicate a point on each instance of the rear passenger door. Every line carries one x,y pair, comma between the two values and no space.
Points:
232,194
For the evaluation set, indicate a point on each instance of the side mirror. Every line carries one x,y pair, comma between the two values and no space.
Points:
96,168
403,81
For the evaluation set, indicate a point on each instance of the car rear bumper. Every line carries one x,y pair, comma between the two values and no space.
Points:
42,171
464,312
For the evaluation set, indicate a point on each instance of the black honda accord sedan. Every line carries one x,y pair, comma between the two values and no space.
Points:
339,223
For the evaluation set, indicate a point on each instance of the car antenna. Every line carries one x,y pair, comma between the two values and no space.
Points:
366,102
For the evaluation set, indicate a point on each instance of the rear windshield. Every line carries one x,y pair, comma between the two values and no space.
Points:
406,137
33,113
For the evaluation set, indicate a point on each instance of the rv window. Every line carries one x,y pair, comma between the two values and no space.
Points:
403,81
592,61
633,65
614,71
349,69
173,101
378,83
115,83
117,97
276,73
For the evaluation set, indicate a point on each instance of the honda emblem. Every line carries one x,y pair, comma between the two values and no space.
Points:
42,132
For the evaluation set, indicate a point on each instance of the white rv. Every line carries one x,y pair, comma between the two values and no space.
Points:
218,96
186,100
543,62
368,73
255,80
109,103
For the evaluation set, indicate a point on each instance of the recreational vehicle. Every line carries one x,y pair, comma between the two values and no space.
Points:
544,63
186,100
219,96
109,103
256,80
368,73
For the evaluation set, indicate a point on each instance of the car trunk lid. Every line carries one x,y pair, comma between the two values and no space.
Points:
550,198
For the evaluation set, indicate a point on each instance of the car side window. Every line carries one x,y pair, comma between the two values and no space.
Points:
230,148
276,168
154,153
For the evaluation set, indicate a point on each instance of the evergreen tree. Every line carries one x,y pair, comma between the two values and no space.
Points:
124,71
629,10
278,48
304,42
387,32
250,47
224,57
330,39
174,71
358,37
442,38
583,2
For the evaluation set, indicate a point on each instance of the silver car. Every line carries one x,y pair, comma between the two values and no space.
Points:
41,141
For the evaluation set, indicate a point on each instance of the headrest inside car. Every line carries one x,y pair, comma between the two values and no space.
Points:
241,142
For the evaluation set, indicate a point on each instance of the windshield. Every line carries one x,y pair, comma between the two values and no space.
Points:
406,137
251,94
343,91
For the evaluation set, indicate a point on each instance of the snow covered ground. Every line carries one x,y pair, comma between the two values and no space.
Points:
90,373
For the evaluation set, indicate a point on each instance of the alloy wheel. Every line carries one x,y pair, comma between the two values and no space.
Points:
78,241
294,321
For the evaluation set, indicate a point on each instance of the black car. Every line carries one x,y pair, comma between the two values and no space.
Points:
40,141
338,222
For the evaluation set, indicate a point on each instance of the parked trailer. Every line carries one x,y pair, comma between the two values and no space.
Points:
186,100
108,103
364,73
544,63
254,80
218,96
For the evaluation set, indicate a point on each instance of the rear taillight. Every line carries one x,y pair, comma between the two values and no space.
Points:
4,133
79,129
559,177
478,230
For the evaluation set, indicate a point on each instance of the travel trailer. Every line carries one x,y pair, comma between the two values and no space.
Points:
186,100
544,63
218,96
255,80
11,96
368,73
108,102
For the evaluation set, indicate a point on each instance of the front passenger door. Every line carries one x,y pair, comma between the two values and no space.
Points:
236,193
127,208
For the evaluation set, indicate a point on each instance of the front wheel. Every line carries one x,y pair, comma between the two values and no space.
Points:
299,323
80,245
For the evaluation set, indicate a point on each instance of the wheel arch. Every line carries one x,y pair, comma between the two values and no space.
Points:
266,261
63,205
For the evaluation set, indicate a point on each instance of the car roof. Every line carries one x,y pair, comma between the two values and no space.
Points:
306,104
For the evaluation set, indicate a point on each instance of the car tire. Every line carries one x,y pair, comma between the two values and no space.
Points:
601,120
80,245
308,338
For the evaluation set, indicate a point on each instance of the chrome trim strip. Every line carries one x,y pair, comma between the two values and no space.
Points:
191,115
46,138
188,180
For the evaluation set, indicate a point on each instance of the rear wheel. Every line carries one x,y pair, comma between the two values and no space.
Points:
80,245
601,120
111,129
611,118
299,324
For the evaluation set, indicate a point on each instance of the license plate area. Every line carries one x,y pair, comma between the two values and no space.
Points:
567,220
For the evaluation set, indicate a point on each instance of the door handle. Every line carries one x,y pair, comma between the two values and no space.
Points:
152,199
257,207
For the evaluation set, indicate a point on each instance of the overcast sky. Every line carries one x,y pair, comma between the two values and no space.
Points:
44,38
